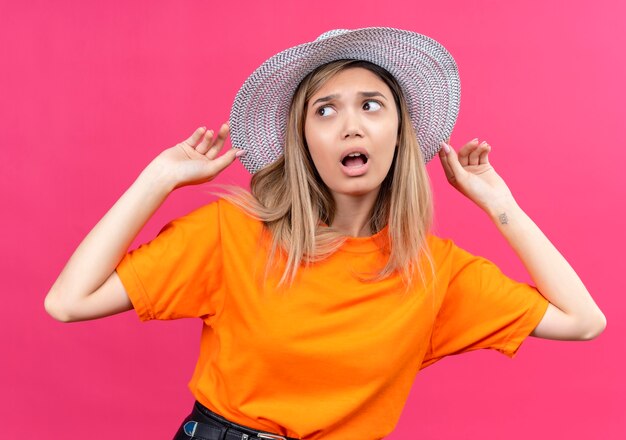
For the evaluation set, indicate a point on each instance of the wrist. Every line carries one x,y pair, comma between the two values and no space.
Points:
501,211
158,178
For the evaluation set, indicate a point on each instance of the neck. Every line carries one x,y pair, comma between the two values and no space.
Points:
353,214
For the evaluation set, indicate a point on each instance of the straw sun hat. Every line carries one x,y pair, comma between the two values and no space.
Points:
424,69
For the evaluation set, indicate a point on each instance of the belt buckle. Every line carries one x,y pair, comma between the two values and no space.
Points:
271,436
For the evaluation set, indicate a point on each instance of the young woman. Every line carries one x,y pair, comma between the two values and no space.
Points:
323,292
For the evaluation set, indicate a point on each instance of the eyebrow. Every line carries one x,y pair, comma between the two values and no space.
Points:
336,95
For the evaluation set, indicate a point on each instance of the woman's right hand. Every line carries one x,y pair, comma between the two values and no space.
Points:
195,160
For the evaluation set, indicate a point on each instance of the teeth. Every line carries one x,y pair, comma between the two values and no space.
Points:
354,154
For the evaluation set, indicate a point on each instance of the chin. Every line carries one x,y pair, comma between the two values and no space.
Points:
356,190
356,193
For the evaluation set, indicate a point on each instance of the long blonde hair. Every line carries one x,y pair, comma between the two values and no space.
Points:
292,201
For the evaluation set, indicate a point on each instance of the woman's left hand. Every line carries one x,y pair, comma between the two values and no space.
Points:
470,172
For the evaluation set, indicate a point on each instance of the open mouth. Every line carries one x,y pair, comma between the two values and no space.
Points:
354,160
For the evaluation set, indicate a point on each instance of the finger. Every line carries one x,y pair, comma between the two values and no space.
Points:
219,142
474,156
219,164
195,137
447,169
464,153
205,144
453,161
484,155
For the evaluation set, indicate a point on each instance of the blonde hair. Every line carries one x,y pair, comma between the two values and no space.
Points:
292,201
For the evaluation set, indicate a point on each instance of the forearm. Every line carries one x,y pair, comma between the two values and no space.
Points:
101,250
555,279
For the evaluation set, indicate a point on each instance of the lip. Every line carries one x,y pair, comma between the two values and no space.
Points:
347,151
354,171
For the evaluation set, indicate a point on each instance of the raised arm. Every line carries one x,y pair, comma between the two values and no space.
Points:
88,287
572,313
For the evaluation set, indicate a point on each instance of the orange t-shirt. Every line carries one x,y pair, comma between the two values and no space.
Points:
331,357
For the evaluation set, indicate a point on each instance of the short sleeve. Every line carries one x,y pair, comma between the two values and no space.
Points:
481,308
178,274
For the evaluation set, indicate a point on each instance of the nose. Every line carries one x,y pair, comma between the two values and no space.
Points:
352,125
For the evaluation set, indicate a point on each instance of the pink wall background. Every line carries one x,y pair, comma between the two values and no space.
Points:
91,92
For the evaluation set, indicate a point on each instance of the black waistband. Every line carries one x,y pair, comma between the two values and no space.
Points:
216,427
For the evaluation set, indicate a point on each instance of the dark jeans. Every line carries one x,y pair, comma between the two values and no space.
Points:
202,414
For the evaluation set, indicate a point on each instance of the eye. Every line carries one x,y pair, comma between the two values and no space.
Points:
372,105
324,110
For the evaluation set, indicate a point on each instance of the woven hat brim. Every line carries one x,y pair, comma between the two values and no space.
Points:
424,69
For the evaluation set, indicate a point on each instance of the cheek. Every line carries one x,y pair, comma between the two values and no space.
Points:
311,135
388,139
389,136
317,143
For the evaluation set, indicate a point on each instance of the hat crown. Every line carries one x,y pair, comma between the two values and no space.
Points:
425,71
332,33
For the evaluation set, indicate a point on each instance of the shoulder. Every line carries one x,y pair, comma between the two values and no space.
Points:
235,224
440,247
220,208
214,215
445,253
231,212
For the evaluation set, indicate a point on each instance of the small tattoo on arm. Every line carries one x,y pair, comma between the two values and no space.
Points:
504,220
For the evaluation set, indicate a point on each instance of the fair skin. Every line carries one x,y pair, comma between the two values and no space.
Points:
89,288
337,124
572,314
354,111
